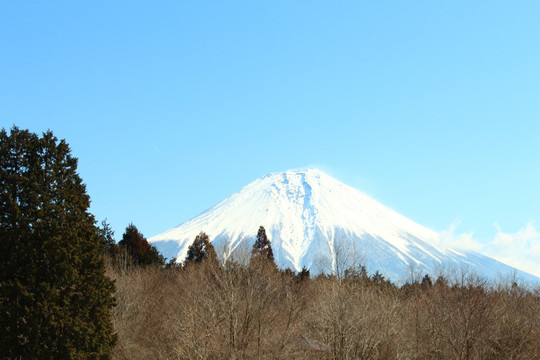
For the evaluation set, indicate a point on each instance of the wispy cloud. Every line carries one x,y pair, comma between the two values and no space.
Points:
520,249
465,241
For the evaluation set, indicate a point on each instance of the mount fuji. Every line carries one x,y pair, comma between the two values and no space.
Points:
315,221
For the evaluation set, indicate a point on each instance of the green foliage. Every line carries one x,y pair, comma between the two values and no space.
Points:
138,248
262,253
377,278
107,238
200,250
262,247
55,299
304,274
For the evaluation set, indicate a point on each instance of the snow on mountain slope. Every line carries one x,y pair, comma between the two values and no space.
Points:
315,221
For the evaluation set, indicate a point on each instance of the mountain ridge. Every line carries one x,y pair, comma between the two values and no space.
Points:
308,215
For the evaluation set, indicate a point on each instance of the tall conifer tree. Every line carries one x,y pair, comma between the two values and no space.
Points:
262,246
201,249
141,252
106,234
55,299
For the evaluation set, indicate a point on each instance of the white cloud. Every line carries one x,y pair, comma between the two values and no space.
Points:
465,241
520,249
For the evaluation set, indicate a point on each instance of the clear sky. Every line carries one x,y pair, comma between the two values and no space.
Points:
432,108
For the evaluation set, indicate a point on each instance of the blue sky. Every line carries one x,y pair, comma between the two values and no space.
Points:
431,108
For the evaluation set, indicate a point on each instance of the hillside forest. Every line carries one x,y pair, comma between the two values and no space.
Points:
242,307
70,290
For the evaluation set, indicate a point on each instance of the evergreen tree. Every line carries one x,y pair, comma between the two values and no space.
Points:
262,246
426,282
106,234
357,273
140,251
55,299
200,250
304,274
377,278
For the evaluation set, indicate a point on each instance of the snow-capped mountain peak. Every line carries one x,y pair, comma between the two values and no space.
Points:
308,216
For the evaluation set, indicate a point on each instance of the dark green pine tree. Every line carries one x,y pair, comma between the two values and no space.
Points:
106,234
262,247
201,249
304,274
377,278
426,282
55,299
140,251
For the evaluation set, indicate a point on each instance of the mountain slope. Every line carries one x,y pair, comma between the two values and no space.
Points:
317,222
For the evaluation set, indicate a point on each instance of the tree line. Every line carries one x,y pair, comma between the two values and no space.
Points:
242,307
68,290
216,305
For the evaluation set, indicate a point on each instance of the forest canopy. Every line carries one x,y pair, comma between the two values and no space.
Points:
55,299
